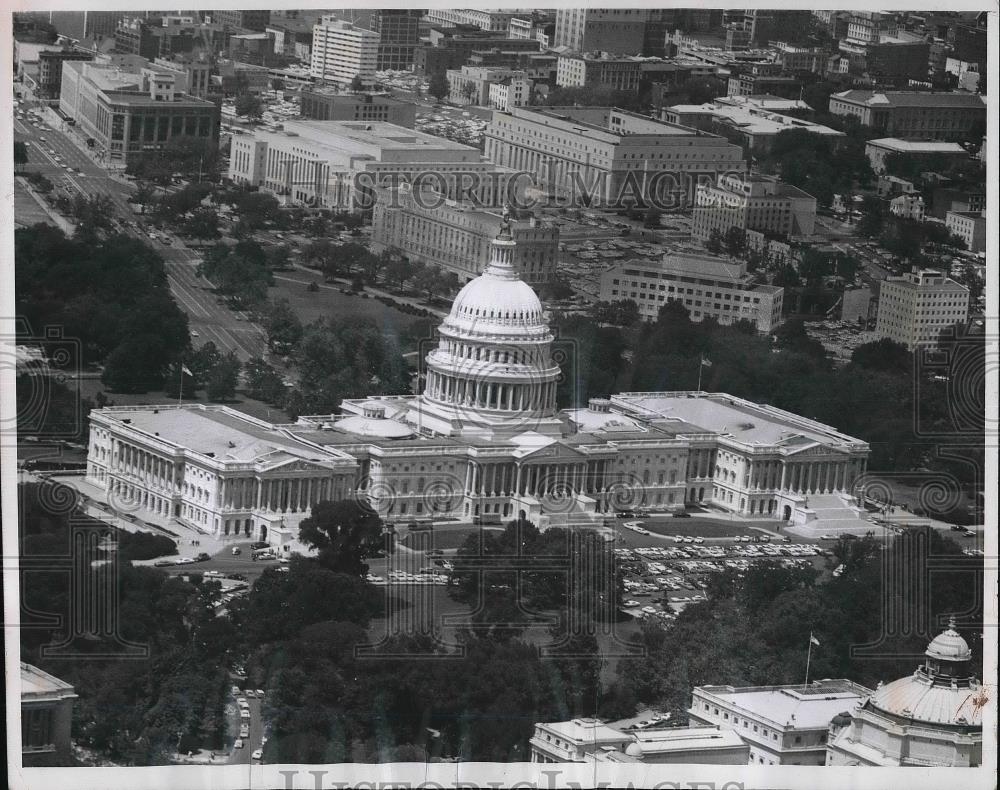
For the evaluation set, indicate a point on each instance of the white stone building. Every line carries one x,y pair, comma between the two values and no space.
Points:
341,51
915,308
930,718
752,203
484,441
783,725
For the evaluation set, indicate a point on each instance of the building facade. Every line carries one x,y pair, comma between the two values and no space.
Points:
621,72
471,84
970,226
752,203
611,154
342,52
128,113
483,441
914,309
621,31
510,92
914,115
782,725
934,153
927,719
457,237
707,287
46,719
50,66
490,20
322,104
399,34
907,207
338,164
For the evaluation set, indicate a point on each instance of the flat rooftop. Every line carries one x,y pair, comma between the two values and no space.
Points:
609,121
374,134
674,739
917,146
216,432
36,684
717,413
584,730
795,707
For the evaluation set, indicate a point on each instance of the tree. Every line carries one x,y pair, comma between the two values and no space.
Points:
356,84
344,533
263,382
144,194
438,86
203,224
249,106
714,243
400,270
884,355
735,241
222,378
20,154
283,327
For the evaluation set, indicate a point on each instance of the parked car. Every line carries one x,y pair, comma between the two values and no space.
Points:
162,563
238,744
203,556
245,731
236,551
258,754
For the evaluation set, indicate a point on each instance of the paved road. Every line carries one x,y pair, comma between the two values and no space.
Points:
242,756
211,321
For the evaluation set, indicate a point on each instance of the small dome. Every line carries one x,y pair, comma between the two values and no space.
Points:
949,646
368,426
634,749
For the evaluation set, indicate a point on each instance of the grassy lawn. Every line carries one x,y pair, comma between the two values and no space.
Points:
329,302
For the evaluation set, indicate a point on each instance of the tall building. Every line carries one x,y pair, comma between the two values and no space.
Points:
131,112
914,309
456,236
930,718
46,719
338,164
933,115
619,31
613,155
752,203
256,19
81,25
493,20
342,52
783,725
485,436
707,287
399,35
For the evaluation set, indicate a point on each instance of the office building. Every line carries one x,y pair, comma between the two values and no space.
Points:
753,120
253,20
914,309
931,115
758,203
326,104
46,719
749,82
399,34
510,92
452,48
927,719
935,153
620,31
970,226
907,207
342,52
491,20
337,164
485,435
591,740
39,66
613,155
131,112
708,287
80,25
621,72
782,725
292,37
195,68
456,236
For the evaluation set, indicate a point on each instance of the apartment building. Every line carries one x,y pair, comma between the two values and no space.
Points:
783,725
338,164
429,228
341,51
708,287
611,154
130,112
914,115
970,226
325,104
915,308
752,203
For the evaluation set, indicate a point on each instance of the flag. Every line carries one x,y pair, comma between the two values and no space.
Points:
187,370
813,640
705,363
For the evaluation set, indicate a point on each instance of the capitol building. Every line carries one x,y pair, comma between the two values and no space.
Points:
483,442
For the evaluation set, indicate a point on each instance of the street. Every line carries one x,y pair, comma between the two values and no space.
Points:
79,174
242,756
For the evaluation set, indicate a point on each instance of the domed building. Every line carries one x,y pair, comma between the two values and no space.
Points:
483,442
930,718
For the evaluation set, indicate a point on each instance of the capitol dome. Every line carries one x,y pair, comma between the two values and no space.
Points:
949,646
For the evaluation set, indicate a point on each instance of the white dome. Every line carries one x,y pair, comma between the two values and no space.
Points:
634,749
494,299
918,698
949,646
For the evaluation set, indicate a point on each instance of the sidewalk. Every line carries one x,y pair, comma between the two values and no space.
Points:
58,220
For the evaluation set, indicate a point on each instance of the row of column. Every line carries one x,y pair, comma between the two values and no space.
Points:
505,479
533,396
144,465
279,495
701,463
807,477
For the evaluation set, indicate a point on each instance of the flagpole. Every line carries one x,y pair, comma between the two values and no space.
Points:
180,383
701,366
808,657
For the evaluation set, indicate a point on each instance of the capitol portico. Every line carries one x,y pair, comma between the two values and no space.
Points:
484,441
